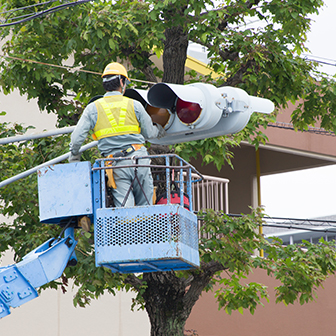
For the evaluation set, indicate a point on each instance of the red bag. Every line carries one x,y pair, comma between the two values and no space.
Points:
174,199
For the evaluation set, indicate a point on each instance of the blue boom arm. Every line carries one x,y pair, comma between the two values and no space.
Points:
18,282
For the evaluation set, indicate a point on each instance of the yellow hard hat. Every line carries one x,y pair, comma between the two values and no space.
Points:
115,69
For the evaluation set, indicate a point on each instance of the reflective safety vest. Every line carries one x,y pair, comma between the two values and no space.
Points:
116,116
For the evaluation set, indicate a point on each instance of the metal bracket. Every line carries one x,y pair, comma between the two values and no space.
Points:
229,104
223,104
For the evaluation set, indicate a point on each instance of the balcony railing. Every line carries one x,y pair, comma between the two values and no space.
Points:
211,193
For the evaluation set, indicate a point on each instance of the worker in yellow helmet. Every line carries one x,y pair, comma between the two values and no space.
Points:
121,126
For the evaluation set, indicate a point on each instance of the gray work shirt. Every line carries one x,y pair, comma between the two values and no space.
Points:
116,143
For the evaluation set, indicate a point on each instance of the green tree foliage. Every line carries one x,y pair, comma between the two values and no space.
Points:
265,61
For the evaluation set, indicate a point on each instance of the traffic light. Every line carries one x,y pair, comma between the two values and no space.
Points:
159,115
198,111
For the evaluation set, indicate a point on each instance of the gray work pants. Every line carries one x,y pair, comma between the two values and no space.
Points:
124,176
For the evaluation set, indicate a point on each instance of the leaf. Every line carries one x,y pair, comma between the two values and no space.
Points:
111,44
158,52
100,34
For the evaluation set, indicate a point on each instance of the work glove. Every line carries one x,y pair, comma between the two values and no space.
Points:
161,130
74,158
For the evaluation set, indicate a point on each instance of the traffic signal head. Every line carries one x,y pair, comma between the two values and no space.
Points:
159,115
198,111
190,105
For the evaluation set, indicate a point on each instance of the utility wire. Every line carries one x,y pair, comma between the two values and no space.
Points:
294,221
284,226
297,221
32,7
68,68
312,225
27,7
41,13
88,71
321,60
310,129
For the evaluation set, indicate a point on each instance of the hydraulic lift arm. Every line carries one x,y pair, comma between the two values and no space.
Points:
18,282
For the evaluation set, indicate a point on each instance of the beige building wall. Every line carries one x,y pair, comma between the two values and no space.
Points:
19,110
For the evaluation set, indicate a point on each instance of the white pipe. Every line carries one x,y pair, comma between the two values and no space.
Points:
48,163
25,137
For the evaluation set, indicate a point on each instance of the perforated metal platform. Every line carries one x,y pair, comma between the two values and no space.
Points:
146,239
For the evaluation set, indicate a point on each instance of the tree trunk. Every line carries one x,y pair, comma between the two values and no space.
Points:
174,55
164,303
169,299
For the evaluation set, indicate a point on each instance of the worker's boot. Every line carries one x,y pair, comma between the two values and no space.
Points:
84,223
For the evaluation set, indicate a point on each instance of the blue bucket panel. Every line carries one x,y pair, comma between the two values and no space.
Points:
152,234
64,191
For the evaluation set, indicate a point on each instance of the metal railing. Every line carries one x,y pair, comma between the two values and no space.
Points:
211,193
163,174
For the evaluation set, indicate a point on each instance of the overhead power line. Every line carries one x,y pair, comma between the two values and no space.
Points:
28,17
27,7
71,69
312,225
319,59
310,129
295,222
291,227
68,68
320,62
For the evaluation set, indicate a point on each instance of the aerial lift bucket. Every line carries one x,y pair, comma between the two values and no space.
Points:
134,239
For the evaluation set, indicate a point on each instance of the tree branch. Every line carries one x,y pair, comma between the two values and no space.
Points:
212,267
200,280
224,22
149,73
147,70
134,281
224,54
237,78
